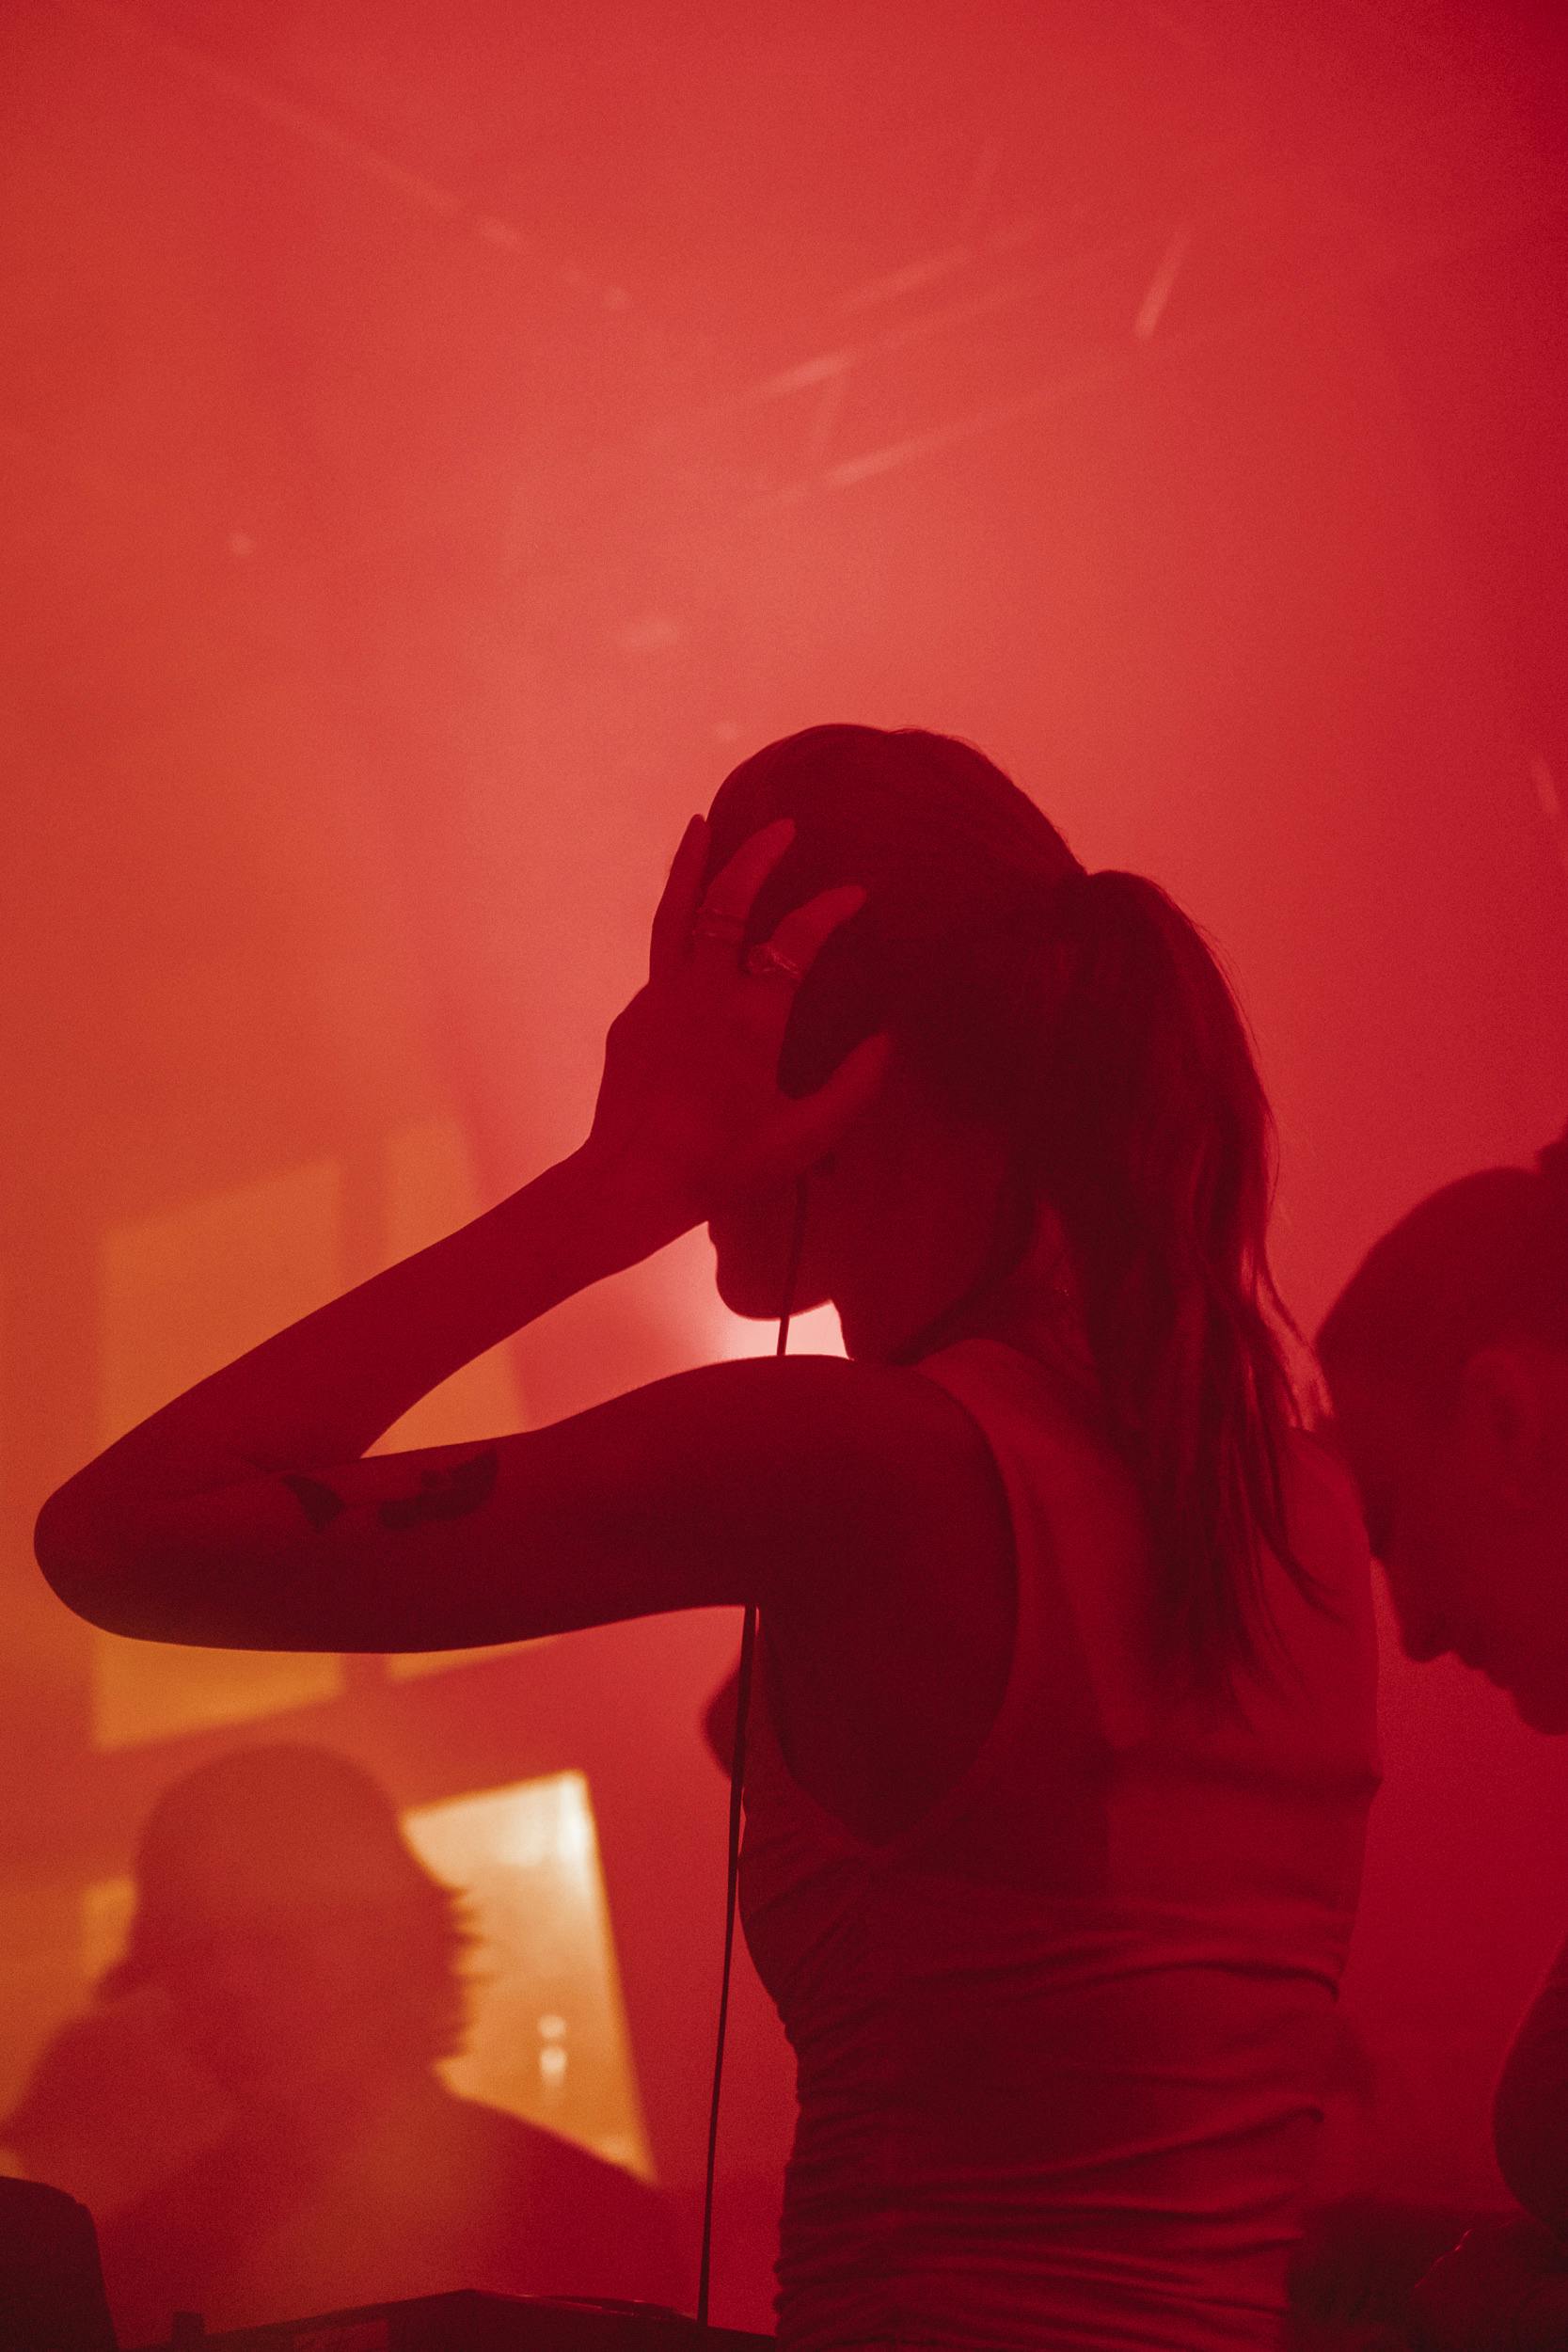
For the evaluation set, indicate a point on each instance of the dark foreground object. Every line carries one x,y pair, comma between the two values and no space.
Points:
51,2286
468,2321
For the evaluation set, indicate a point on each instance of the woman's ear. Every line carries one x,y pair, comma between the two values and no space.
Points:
1502,1421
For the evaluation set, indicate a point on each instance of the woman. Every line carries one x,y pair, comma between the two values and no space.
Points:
1063,1745
1446,1359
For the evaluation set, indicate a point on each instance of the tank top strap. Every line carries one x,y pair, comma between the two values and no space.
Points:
1057,1477
1048,1742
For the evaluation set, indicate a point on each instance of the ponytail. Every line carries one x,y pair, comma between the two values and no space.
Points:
1152,1139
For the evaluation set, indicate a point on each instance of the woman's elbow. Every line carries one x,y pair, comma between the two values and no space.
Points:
81,1566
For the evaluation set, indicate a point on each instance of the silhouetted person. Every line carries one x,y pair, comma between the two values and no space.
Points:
1446,1359
314,1969
80,2119
1062,1745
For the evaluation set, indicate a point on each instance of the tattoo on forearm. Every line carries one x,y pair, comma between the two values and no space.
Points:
317,1500
446,1494
443,1494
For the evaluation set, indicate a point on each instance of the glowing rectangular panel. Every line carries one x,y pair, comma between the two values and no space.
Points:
547,2037
181,1294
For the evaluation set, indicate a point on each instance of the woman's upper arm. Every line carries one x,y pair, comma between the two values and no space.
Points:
714,1486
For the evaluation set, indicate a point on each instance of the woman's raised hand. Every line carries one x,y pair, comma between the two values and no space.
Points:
689,1111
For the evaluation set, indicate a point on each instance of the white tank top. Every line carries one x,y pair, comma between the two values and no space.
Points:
1059,2046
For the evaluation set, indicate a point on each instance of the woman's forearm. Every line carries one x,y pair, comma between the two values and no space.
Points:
323,1390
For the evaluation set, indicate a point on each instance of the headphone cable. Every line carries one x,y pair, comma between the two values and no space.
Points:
737,1778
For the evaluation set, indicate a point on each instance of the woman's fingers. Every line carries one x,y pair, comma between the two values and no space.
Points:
691,1065
716,928
678,901
720,920
803,932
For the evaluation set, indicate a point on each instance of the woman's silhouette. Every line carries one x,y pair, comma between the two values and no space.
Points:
1063,1747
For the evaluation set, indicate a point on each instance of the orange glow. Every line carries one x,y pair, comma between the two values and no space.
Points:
547,2034
547,2039
181,1291
436,441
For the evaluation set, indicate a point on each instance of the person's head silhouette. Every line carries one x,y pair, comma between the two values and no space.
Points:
308,1955
1447,1357
1070,1112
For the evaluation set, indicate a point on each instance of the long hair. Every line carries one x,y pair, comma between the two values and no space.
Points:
1085,1019
1483,1260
